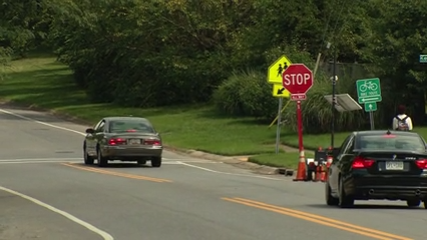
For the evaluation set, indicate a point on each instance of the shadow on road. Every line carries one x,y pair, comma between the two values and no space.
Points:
366,206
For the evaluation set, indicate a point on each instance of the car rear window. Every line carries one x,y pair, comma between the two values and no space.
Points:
392,142
130,126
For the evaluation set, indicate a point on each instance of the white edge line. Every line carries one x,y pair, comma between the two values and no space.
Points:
87,225
43,123
92,228
28,162
226,173
37,159
189,165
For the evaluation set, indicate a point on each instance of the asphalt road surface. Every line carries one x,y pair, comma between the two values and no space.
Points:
47,193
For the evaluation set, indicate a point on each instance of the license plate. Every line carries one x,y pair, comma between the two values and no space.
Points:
394,165
134,141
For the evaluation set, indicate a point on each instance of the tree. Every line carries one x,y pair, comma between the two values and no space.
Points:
398,38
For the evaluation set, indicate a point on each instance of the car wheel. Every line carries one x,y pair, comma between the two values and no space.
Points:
87,159
142,162
156,162
414,203
102,161
344,201
330,200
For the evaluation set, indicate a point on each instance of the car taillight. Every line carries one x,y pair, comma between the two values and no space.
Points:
361,162
421,163
116,141
152,142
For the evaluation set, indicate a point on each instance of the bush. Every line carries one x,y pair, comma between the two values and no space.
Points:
246,94
317,113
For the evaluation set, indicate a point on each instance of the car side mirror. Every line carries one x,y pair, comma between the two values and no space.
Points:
90,130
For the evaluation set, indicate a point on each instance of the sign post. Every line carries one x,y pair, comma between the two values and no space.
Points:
298,79
274,76
369,93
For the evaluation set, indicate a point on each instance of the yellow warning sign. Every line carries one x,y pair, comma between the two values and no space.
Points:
276,69
280,91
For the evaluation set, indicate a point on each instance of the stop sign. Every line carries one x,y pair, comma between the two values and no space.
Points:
297,79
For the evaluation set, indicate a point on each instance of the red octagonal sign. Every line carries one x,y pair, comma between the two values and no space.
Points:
297,79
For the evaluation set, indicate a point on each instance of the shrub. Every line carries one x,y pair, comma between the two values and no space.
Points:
317,112
246,93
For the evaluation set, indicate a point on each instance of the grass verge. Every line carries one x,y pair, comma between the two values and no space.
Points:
285,159
42,82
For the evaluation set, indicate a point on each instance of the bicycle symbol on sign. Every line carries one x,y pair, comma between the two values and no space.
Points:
368,85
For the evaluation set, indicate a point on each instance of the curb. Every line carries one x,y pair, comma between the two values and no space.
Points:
256,168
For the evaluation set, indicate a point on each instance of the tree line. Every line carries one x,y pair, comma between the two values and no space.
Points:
168,52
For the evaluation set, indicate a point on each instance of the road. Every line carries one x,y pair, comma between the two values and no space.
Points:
47,193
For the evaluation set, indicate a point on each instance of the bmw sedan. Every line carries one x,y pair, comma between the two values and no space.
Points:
386,165
123,139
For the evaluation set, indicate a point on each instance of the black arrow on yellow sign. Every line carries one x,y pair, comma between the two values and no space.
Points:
280,91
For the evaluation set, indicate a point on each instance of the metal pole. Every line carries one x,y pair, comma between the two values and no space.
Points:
317,65
279,121
371,120
300,129
334,100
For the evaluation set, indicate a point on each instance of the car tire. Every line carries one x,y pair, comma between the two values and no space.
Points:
102,161
344,200
142,162
156,162
413,203
330,200
88,160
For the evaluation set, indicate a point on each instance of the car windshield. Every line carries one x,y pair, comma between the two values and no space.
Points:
120,126
392,142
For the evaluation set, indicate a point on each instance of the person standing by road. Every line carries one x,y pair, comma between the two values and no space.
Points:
402,122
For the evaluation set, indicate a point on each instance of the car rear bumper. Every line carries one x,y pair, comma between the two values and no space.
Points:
388,188
128,152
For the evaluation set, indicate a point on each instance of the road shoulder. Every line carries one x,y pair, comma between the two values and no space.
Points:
22,219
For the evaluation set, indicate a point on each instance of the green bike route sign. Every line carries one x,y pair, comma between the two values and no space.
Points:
368,90
371,107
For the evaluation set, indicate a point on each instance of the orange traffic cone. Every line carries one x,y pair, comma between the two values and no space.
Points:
301,172
319,172
323,176
329,159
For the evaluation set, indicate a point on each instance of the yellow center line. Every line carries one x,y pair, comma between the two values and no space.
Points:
319,219
118,174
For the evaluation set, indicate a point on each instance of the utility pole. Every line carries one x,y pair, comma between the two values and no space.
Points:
334,100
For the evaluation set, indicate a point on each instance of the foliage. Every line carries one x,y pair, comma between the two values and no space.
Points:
246,94
163,53
397,40
316,111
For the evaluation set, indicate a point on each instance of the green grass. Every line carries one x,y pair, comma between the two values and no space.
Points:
44,83
283,159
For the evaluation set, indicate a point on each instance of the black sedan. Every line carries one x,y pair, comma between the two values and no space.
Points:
386,165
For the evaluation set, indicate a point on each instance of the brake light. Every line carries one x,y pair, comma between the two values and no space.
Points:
389,136
361,162
131,130
154,142
116,141
421,163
